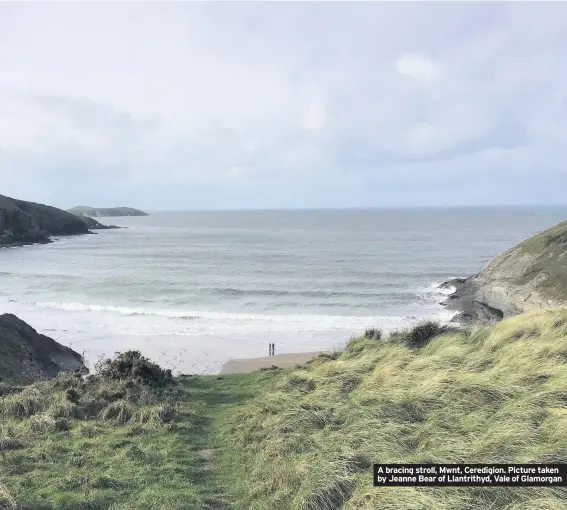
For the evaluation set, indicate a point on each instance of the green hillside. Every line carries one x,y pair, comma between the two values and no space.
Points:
104,212
298,439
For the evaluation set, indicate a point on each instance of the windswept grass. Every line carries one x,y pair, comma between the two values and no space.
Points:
132,437
429,394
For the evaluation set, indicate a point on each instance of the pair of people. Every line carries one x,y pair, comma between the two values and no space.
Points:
272,349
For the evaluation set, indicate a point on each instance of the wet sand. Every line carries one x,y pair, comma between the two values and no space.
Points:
239,366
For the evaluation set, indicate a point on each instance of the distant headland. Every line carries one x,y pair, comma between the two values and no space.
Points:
106,212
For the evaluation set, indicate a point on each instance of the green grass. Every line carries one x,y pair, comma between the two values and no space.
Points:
120,446
485,396
301,439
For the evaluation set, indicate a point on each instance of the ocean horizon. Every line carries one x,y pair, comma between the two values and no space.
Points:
194,289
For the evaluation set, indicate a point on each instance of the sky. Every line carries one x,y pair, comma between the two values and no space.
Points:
184,106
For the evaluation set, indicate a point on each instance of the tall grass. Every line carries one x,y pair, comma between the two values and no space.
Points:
430,394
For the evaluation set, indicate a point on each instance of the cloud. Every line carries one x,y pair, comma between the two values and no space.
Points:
274,103
417,66
315,116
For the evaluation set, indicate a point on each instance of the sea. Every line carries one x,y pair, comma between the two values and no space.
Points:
192,290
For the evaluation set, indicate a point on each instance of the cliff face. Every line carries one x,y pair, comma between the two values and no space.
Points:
95,225
529,276
26,356
27,222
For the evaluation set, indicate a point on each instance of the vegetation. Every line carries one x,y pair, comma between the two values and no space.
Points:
373,334
98,212
485,395
132,437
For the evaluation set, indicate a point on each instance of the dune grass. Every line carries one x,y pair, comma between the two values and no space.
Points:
132,437
425,395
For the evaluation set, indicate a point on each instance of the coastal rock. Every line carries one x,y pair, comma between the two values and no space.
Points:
531,275
24,222
26,356
106,212
95,225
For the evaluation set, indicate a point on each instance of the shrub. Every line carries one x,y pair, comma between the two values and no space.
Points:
62,425
373,334
72,395
131,365
423,333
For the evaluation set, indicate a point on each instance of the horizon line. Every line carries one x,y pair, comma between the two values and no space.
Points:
372,208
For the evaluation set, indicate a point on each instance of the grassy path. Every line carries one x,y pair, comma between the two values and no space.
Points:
212,397
132,457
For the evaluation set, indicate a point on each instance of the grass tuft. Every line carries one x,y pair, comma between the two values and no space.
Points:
119,411
156,415
7,501
373,334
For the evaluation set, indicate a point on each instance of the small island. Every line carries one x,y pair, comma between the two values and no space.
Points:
106,212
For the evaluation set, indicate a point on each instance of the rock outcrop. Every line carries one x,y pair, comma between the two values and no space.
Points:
26,356
24,222
95,225
106,212
529,276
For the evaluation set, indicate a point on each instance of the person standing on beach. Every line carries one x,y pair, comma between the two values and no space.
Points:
270,349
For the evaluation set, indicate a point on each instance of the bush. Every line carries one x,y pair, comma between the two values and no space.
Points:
421,334
373,334
72,395
62,425
131,365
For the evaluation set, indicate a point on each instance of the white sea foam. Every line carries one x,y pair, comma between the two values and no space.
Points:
194,340
193,290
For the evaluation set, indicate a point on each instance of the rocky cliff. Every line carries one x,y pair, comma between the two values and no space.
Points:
529,276
26,356
95,225
27,222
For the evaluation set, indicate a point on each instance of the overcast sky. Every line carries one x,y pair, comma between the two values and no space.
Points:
276,105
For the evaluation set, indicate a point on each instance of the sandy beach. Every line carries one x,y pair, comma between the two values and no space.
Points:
238,366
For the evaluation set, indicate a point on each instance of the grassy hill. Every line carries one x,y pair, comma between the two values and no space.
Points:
298,439
103,212
24,222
